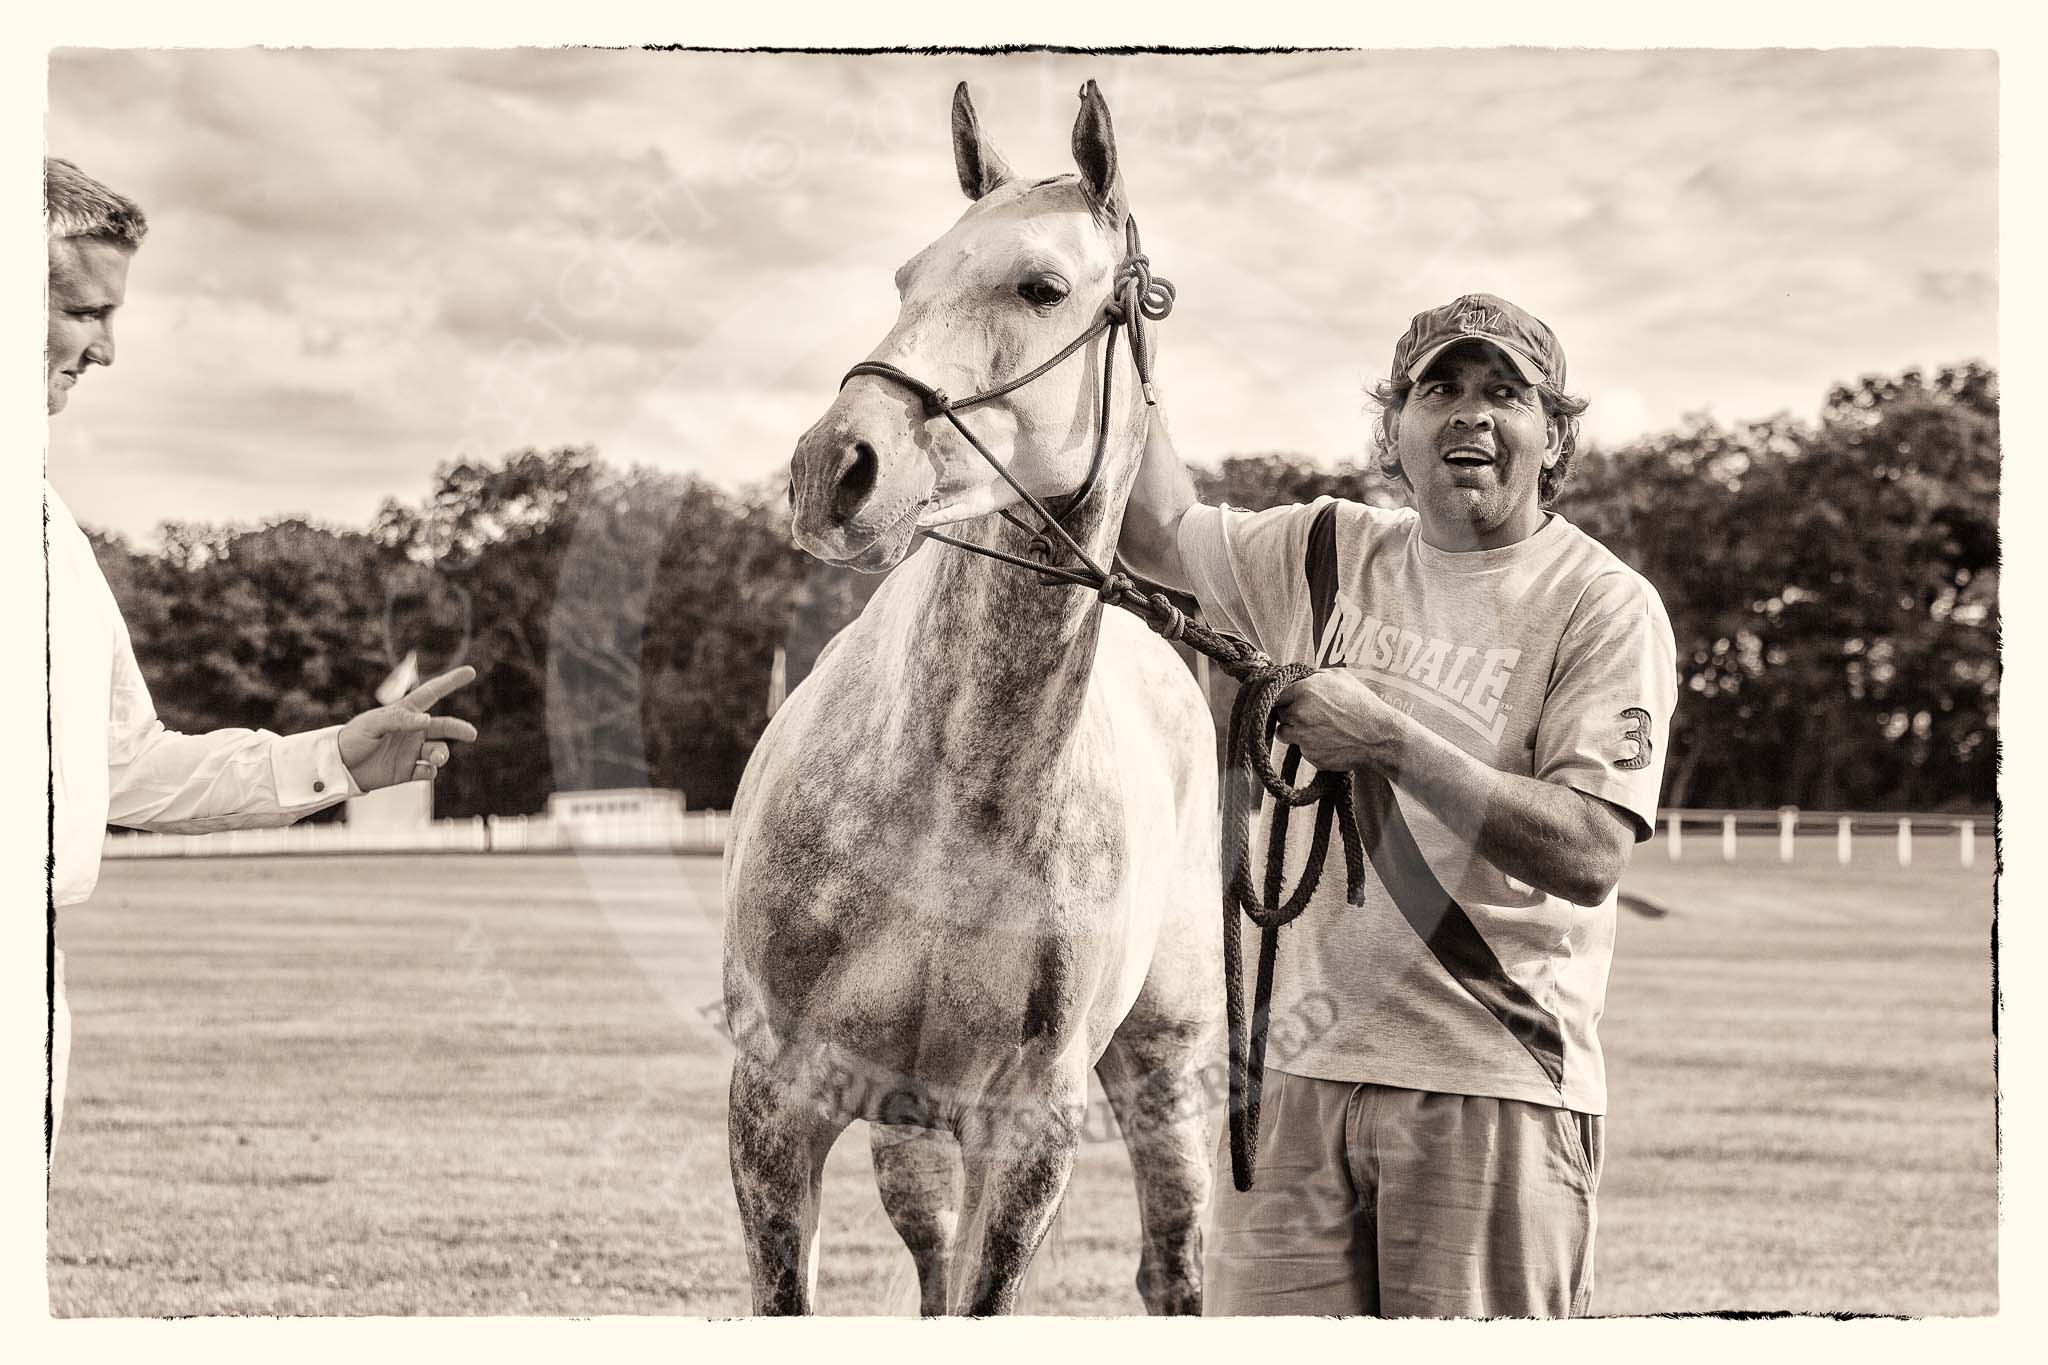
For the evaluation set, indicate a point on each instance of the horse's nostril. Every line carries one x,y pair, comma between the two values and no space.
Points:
857,482
860,479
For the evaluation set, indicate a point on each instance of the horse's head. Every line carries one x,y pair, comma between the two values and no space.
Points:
1025,271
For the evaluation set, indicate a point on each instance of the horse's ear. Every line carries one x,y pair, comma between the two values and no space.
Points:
1095,154
981,167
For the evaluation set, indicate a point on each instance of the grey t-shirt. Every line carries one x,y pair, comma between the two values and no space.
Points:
1549,658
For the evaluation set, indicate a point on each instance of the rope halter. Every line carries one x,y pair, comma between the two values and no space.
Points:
1136,297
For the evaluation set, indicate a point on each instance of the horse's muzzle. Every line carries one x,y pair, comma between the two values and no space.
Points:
851,502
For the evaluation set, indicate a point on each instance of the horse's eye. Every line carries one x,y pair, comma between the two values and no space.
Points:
1042,290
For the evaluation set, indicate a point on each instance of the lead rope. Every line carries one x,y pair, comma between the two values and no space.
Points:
1137,297
1261,683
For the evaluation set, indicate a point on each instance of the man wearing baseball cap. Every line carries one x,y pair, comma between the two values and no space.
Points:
1499,687
111,759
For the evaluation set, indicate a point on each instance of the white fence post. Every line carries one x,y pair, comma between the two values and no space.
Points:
1788,829
1969,843
1674,840
1905,842
1842,841
1727,838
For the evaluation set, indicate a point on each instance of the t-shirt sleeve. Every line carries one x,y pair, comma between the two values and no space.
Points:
1245,569
1607,716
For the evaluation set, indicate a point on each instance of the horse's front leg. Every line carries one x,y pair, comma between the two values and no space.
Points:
1020,1154
1152,1075
917,1171
778,1143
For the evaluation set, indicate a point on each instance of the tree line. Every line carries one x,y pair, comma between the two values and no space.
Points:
1832,584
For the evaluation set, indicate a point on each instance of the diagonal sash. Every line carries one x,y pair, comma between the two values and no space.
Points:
1435,915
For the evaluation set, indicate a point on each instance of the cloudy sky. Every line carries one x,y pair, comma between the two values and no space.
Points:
363,264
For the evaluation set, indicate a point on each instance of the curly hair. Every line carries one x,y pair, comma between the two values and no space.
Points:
76,205
1561,408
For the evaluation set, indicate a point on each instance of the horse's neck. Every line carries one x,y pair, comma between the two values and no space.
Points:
1004,660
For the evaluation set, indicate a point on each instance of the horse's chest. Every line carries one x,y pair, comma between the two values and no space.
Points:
959,914
968,868
942,883
979,812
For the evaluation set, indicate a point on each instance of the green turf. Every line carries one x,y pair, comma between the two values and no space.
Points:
473,1085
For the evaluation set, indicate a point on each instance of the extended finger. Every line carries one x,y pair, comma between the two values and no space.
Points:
434,689
450,727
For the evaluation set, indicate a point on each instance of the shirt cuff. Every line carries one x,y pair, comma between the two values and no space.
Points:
309,771
1628,796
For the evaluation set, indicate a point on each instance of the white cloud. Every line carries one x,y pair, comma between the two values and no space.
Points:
1620,414
362,262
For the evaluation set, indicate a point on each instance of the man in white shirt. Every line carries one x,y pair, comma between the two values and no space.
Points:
1499,688
111,760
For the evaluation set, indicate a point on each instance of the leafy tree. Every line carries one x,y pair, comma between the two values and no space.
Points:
267,627
623,624
1832,586
491,539
1833,590
721,604
1277,479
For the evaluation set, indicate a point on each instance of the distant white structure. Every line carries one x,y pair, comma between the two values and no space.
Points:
617,804
409,805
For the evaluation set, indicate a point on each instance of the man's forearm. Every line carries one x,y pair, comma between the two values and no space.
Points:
225,779
1544,834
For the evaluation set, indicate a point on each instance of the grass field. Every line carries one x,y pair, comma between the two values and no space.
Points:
460,1084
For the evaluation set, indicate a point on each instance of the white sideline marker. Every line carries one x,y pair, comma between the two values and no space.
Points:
1969,849
1674,843
1842,841
1905,843
1727,838
1788,826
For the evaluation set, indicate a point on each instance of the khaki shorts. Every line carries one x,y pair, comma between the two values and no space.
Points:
1380,1202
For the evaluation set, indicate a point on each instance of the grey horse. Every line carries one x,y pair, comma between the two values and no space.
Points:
975,853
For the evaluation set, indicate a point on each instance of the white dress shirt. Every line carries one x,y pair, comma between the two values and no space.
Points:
113,761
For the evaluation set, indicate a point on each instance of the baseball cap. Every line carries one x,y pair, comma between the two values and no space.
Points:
1519,335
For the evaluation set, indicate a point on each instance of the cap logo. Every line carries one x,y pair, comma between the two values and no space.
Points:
1478,319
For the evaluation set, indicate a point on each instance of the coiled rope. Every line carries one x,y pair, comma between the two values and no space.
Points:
1249,767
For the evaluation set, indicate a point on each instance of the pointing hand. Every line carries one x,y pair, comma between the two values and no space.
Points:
401,742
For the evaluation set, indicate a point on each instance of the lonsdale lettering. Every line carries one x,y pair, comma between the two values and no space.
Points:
1471,682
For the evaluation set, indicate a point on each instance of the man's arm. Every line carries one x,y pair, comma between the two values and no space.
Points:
1556,839
160,780
173,783
1162,492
